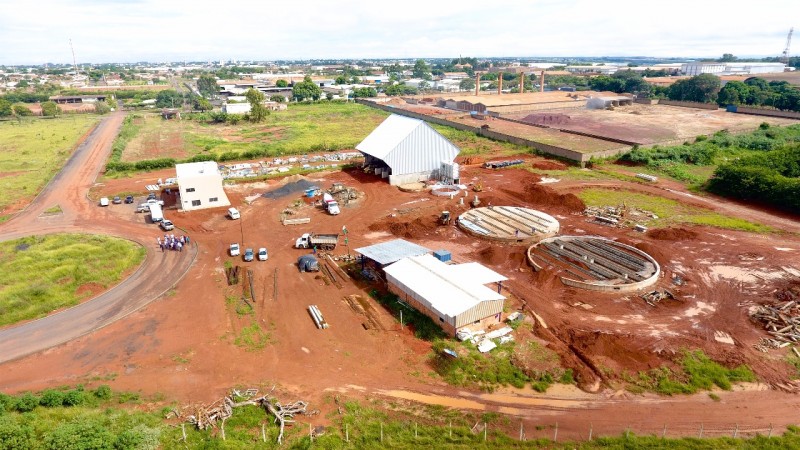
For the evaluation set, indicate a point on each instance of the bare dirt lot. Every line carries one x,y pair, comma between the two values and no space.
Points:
199,339
648,124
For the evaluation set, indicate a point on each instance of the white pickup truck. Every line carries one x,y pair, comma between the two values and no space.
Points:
145,207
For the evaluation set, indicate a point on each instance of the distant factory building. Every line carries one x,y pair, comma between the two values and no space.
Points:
731,68
452,295
200,186
406,150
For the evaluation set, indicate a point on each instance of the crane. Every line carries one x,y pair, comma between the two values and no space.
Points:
785,55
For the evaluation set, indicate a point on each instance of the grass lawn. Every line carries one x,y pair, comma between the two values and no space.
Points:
39,274
33,150
668,211
299,129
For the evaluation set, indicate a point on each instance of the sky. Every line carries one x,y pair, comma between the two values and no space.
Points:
37,32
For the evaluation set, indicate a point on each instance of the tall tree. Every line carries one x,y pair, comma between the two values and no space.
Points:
258,112
169,98
733,93
207,85
422,70
467,84
306,90
281,83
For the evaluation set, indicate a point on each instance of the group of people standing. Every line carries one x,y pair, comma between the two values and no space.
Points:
172,242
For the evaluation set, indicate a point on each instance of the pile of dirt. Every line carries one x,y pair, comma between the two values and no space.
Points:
548,165
407,229
544,196
658,253
289,188
672,234
491,255
470,160
615,351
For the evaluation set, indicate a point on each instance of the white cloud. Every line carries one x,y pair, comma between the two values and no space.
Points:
158,30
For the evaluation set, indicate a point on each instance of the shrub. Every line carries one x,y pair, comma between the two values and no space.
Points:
27,403
51,398
80,435
103,392
74,398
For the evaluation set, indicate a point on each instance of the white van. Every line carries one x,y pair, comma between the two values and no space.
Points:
233,213
104,201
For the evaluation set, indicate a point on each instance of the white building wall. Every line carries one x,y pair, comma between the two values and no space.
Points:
200,186
236,108
423,150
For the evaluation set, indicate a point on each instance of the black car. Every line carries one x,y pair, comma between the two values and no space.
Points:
151,196
129,199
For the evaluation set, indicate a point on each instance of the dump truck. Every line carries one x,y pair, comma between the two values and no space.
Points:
331,205
320,241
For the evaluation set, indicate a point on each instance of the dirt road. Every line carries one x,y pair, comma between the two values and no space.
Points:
68,189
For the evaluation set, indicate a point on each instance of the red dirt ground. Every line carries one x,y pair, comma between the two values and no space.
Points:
183,345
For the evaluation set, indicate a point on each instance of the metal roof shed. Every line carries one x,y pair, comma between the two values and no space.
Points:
392,251
410,148
453,294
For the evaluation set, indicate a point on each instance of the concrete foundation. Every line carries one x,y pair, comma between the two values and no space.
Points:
508,224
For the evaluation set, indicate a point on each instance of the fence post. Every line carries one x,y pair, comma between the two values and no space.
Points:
520,431
701,431
555,434
770,431
484,431
736,431
381,432
222,428
451,428
591,429
664,432
415,430
346,433
310,433
263,433
183,430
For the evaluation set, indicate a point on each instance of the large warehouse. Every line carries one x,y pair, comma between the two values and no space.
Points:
406,150
453,295
200,185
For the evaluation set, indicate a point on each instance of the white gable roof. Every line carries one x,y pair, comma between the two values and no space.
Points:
408,145
446,288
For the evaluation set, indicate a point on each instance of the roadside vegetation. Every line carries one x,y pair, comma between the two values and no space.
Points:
62,270
77,418
668,211
697,372
761,166
34,150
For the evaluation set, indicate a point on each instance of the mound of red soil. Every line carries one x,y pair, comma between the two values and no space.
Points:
408,229
491,255
655,251
470,160
548,165
544,196
672,234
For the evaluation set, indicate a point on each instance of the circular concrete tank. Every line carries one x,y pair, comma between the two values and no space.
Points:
595,263
508,224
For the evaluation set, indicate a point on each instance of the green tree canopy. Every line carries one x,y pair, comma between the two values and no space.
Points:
258,112
207,85
467,84
701,88
50,109
22,111
281,83
5,108
169,98
202,104
422,70
306,90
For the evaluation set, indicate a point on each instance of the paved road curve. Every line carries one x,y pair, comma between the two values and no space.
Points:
69,189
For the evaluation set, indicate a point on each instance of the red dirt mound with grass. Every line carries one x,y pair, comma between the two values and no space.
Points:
656,251
548,165
672,234
544,196
470,160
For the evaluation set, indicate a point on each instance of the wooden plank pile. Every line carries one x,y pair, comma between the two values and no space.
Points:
781,321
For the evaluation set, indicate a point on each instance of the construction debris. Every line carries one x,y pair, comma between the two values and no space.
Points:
653,297
316,315
620,216
782,322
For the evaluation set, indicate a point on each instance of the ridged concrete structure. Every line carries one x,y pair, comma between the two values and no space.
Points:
595,263
508,224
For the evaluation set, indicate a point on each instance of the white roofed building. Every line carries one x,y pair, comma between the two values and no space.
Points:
455,296
200,185
406,150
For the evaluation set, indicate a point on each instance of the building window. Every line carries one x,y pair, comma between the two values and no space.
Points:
441,320
195,202
189,189
213,199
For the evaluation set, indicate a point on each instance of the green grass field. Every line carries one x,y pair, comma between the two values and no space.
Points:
33,150
61,270
668,211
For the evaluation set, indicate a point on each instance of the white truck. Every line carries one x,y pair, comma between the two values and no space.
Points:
330,204
156,215
320,241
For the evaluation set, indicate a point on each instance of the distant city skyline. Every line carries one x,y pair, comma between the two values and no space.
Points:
104,31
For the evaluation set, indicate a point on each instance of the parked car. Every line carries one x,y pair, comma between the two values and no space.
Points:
129,199
151,196
233,213
248,254
262,254
234,249
117,200
104,201
167,225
